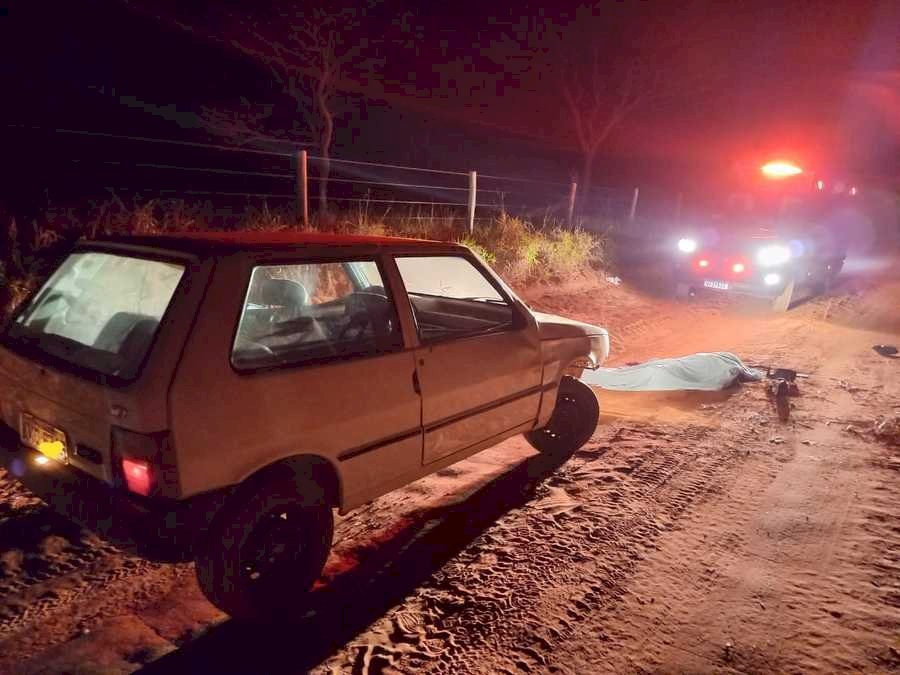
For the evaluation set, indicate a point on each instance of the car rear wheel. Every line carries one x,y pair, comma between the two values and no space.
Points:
266,549
573,422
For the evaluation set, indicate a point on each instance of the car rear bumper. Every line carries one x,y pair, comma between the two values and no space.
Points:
157,529
699,285
753,286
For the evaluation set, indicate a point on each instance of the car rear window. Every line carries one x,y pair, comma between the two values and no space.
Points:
99,311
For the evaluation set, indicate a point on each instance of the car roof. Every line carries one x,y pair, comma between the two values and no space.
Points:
229,242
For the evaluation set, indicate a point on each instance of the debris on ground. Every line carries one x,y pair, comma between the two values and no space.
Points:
788,374
615,281
888,430
779,391
889,351
846,386
781,374
884,429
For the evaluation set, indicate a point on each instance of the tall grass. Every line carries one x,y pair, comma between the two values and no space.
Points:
521,252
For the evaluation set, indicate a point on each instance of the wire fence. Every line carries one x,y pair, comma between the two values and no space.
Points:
143,166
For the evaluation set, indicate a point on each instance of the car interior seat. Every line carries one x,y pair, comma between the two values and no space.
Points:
286,301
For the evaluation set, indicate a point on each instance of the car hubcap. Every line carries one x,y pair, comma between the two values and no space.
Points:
563,424
272,551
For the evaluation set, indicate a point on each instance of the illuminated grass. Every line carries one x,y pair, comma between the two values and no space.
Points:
519,251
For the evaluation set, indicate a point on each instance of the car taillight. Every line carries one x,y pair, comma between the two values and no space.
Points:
138,475
702,263
144,462
738,267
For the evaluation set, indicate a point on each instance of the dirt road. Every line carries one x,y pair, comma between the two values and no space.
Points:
694,533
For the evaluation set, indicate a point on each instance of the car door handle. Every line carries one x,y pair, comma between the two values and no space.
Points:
416,387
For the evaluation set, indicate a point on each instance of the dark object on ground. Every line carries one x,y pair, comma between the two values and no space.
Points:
782,374
779,373
779,391
889,351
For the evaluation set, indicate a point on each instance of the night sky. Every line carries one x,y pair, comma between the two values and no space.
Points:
466,84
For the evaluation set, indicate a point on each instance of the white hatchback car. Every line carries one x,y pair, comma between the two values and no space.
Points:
222,393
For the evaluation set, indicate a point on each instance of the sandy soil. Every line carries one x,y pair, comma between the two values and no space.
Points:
694,533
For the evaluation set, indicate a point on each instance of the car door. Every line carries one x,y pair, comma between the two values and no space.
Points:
317,366
478,361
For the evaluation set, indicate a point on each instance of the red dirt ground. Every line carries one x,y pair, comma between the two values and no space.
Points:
694,532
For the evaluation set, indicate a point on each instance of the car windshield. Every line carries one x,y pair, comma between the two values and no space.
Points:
99,311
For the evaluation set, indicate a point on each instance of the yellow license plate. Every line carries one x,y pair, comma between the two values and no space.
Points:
45,438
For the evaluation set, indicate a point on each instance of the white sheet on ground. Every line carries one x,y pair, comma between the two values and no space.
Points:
704,371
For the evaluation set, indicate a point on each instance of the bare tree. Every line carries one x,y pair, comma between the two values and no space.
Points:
607,71
599,96
248,124
312,52
312,49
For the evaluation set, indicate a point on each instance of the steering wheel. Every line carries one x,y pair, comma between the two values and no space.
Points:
364,308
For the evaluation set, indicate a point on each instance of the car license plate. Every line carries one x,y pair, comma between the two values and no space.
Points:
43,437
718,285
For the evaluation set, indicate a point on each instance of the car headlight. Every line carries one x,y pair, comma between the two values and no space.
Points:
687,245
774,254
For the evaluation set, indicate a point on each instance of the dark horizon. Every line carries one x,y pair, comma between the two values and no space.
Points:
817,83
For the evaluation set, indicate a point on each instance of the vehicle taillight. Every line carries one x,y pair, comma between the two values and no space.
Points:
702,263
738,267
144,463
138,475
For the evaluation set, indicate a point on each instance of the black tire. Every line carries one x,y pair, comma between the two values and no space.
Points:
573,422
266,548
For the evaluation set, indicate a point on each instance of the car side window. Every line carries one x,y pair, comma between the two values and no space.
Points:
451,297
308,312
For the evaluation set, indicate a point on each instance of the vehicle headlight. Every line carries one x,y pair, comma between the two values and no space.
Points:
687,245
775,254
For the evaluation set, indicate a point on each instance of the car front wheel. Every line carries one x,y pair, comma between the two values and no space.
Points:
266,549
573,422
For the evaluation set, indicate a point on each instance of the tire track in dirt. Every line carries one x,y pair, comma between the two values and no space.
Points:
526,588
523,587
797,567
58,580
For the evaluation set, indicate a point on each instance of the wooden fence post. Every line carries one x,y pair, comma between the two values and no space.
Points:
572,192
303,188
634,201
473,181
